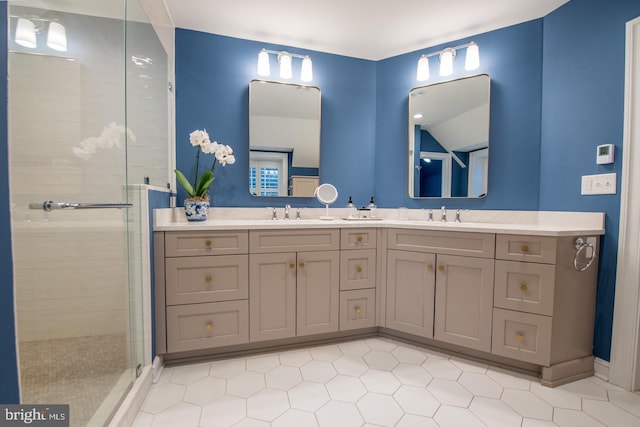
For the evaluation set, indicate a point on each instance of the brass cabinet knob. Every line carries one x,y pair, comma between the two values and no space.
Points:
520,337
441,267
292,265
209,326
429,267
359,269
208,279
357,309
525,248
207,243
302,265
359,238
523,287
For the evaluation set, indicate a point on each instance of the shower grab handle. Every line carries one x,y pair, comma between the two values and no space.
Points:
49,205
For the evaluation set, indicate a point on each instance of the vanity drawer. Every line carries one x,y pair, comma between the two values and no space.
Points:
198,243
524,286
359,238
358,269
215,324
481,245
526,248
522,336
267,241
357,309
207,279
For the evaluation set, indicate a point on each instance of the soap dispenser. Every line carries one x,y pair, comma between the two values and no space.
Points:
372,207
351,209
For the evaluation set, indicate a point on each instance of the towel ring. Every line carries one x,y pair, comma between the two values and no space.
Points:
580,246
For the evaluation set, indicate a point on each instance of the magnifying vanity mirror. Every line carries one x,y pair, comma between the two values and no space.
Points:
449,138
284,139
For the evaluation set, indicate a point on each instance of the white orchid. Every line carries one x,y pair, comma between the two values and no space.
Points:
222,154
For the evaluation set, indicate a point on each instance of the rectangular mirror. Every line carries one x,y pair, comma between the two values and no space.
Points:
449,138
284,139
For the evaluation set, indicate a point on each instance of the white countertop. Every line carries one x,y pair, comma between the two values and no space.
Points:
473,221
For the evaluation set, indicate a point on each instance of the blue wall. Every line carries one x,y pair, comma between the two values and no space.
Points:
9,392
582,107
212,91
512,57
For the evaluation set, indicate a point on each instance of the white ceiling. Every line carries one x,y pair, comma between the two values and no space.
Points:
368,29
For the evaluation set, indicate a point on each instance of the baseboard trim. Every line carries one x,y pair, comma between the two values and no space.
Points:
601,368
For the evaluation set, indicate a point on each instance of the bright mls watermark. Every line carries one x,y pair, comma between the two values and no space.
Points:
34,415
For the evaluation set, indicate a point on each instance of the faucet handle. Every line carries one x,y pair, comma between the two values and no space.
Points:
274,214
298,217
443,213
458,216
430,217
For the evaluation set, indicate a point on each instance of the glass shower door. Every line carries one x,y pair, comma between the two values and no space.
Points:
73,248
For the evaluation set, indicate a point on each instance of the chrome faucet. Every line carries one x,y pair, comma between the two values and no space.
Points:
458,216
443,213
286,211
430,217
274,214
298,217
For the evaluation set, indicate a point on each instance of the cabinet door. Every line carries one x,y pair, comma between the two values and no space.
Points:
410,290
272,296
318,292
464,299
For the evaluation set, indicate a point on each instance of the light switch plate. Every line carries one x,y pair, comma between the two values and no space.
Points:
599,184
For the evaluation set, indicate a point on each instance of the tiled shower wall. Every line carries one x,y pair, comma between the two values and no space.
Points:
67,143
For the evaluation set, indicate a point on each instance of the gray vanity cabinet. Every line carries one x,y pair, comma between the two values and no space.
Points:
293,286
410,292
440,285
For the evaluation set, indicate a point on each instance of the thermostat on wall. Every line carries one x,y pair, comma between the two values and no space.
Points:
605,154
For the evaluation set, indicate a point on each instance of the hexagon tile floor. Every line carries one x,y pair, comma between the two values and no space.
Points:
374,382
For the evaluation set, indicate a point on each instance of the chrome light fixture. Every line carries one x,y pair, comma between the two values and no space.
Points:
27,30
285,61
447,57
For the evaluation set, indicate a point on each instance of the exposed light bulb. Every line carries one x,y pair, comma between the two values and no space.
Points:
446,62
264,68
472,61
306,73
26,33
423,69
57,37
286,71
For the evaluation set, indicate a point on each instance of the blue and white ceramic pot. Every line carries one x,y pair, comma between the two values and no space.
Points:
196,210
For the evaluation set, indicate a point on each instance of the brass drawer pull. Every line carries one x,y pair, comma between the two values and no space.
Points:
359,269
207,243
359,239
357,309
302,265
209,326
525,248
208,279
292,266
429,267
523,287
520,337
441,267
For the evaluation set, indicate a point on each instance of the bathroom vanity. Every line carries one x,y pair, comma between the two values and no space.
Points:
508,293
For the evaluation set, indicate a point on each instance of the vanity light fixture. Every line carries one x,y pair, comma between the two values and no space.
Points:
285,60
447,56
27,30
26,33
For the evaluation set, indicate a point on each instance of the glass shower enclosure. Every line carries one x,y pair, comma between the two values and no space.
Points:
88,121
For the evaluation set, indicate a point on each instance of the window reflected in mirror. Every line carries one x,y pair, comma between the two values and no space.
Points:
284,139
449,138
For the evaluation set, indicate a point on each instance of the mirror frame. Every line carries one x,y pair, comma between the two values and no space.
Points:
411,141
309,184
